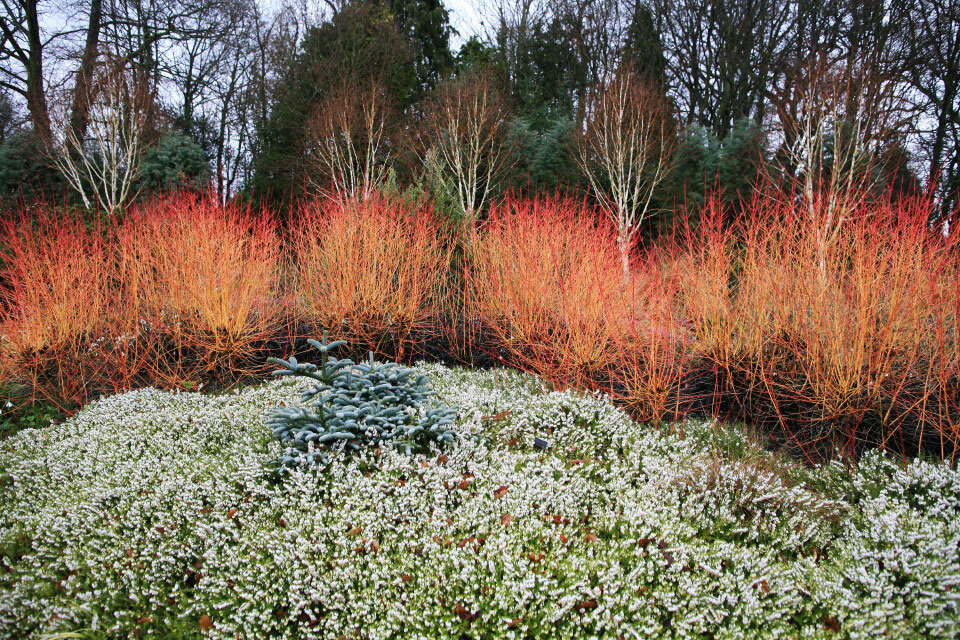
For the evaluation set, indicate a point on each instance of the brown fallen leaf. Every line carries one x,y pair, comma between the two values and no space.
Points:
500,491
206,623
406,577
354,531
590,537
497,416
667,554
586,604
464,613
830,622
506,519
231,513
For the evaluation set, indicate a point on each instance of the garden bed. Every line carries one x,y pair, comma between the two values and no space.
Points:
154,514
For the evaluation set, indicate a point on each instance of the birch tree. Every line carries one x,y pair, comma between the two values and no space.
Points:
103,166
625,151
464,127
838,121
349,143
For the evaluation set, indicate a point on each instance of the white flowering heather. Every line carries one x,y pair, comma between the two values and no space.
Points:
150,514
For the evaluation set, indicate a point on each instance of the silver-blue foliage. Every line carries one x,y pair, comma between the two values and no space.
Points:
348,406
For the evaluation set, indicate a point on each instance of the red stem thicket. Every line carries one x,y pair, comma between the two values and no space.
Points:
829,344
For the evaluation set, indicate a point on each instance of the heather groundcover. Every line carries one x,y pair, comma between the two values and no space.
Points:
156,514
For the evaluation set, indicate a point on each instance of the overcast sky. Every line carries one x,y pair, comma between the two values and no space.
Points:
464,15
465,18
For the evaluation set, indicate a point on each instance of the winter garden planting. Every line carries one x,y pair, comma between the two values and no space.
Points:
388,319
608,492
156,514
846,341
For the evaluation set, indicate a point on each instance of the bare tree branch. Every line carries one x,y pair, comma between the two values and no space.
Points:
465,128
626,151
349,143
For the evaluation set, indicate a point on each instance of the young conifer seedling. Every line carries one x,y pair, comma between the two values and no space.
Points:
349,406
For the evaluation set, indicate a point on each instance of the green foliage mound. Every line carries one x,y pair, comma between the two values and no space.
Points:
174,163
348,407
25,170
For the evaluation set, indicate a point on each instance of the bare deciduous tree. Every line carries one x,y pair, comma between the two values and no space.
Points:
465,127
25,41
722,55
932,36
836,123
247,87
104,165
349,144
625,152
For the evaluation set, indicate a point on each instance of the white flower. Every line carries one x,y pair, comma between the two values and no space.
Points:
157,505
